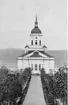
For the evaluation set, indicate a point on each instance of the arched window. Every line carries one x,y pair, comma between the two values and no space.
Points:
40,42
31,42
35,42
39,66
35,66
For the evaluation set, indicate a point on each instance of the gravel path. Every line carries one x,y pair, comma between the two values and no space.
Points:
35,93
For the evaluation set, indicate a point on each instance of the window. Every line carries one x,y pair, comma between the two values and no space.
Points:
32,66
40,42
35,66
36,42
31,42
36,37
39,66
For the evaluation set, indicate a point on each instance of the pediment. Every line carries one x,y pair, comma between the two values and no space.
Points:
36,54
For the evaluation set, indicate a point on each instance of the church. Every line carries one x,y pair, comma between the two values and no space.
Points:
35,55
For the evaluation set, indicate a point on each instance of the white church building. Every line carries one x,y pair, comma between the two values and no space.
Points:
35,55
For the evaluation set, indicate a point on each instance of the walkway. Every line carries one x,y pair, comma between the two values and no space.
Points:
35,93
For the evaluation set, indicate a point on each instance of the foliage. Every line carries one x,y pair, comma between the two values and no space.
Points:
60,85
24,92
3,73
4,69
11,87
47,85
43,72
54,86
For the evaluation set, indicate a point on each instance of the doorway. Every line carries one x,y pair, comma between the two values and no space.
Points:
36,67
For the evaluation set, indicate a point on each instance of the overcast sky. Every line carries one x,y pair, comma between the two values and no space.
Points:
17,19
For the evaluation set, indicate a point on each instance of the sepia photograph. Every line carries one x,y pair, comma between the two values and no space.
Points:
33,52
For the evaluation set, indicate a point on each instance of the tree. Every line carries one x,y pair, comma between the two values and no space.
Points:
60,84
12,87
48,89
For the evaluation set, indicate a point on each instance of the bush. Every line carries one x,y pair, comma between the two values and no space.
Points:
11,87
47,85
55,86
60,85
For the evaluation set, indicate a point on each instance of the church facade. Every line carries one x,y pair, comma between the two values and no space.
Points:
35,55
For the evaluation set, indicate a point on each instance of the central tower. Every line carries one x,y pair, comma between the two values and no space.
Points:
36,37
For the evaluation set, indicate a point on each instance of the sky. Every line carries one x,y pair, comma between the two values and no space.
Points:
17,19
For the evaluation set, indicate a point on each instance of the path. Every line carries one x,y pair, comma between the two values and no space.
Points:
35,93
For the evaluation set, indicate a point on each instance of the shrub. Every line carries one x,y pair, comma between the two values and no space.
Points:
11,87
60,85
55,86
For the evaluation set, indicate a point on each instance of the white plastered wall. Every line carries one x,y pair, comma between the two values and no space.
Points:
22,64
25,63
52,65
19,64
46,64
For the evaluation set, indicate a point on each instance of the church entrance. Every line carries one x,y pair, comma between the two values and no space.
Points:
36,68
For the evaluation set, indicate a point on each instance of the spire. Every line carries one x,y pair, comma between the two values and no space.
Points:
36,22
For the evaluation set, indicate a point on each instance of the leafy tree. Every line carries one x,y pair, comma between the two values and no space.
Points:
60,84
10,89
3,73
12,85
48,89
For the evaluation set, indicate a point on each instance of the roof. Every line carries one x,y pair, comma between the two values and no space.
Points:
25,53
43,52
26,46
44,46
36,54
36,30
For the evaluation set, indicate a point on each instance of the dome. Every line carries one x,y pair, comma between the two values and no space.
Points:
36,30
